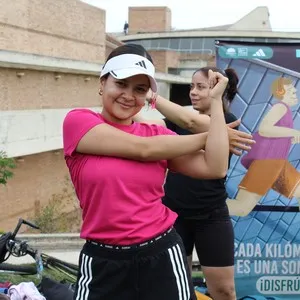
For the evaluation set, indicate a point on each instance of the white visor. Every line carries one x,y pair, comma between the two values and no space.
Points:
127,65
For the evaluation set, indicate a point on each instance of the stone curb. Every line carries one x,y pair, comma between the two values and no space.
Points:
63,241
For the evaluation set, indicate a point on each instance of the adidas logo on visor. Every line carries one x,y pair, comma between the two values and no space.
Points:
142,64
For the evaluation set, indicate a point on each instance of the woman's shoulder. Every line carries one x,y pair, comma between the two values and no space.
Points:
79,118
79,115
82,111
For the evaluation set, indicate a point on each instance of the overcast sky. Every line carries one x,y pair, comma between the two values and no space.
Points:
284,15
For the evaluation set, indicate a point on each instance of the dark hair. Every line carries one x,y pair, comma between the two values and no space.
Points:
129,49
231,89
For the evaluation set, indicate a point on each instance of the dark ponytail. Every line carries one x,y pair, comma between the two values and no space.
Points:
233,82
231,89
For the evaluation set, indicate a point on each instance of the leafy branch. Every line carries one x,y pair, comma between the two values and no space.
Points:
6,166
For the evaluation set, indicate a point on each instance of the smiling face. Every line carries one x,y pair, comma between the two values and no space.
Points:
199,93
123,98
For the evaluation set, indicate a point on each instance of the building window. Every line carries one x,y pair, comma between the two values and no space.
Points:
260,40
197,44
186,44
154,44
164,44
146,44
209,46
200,44
174,44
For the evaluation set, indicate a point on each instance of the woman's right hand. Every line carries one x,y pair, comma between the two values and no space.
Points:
238,140
150,96
217,83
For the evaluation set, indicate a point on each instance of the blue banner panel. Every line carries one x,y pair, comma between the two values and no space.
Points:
263,185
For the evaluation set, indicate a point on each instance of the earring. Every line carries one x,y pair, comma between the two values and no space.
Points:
100,92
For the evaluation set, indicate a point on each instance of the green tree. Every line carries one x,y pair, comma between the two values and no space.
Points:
6,166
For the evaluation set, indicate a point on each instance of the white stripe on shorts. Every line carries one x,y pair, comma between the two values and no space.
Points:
85,278
179,270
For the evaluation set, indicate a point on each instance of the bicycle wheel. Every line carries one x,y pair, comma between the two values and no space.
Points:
17,269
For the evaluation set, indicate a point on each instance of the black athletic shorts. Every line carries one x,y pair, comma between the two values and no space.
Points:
156,270
212,237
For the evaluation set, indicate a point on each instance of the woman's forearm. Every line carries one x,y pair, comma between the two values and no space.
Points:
217,144
184,118
171,146
106,140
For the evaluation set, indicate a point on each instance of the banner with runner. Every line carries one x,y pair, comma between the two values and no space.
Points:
263,184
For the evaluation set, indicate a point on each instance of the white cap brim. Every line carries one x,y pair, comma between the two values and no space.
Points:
125,73
128,65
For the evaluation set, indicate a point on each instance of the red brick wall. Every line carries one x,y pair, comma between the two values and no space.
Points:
164,59
36,178
40,90
149,19
61,28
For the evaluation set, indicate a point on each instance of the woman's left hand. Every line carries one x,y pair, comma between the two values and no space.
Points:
217,83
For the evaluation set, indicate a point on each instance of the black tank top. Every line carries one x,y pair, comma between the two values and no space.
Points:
190,197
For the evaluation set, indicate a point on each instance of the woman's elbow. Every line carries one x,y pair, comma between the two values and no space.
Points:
145,154
143,150
188,123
